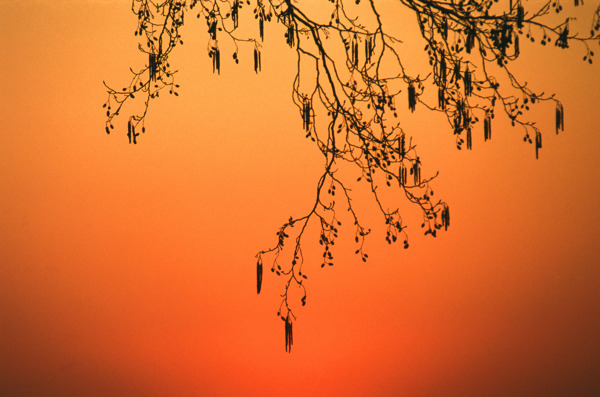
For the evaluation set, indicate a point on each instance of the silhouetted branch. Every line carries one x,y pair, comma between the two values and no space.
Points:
358,85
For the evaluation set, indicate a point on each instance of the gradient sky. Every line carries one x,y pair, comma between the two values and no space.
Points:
130,271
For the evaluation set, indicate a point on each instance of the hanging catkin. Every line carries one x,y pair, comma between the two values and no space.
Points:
235,13
368,49
560,115
487,126
402,175
257,62
467,82
129,135
412,97
289,337
402,146
441,98
470,41
469,139
306,113
152,67
446,217
259,274
521,15
442,76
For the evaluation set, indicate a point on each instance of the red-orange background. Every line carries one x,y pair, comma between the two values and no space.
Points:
130,270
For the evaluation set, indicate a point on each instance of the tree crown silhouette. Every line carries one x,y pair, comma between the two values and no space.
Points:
352,72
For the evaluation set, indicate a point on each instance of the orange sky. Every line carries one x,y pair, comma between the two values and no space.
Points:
130,271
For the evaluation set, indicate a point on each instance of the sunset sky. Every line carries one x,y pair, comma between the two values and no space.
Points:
129,270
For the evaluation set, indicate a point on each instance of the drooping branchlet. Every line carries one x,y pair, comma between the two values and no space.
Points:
358,91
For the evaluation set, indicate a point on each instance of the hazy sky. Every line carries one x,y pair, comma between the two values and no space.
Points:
129,270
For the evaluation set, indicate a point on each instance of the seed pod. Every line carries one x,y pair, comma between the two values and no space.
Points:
538,143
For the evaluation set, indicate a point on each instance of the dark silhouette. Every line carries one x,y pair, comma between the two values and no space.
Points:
360,85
